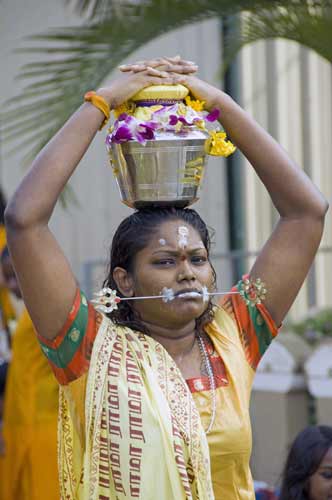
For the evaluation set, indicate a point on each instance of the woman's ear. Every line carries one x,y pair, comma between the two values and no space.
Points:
124,281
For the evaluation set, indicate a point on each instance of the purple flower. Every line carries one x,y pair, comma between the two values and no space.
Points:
153,125
184,121
173,119
123,134
145,132
213,115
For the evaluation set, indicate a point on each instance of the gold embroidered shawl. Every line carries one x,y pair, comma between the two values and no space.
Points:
143,436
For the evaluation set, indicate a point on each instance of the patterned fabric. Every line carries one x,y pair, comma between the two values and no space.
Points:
238,338
255,326
70,353
137,404
198,384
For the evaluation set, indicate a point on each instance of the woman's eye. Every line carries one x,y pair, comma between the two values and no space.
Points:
326,475
165,262
198,259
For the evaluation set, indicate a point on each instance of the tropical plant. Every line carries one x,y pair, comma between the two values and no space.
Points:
75,59
316,325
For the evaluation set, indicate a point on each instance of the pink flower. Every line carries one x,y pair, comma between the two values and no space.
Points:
173,119
213,115
145,132
122,134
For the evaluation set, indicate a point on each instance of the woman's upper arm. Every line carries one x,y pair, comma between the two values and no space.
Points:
285,261
46,280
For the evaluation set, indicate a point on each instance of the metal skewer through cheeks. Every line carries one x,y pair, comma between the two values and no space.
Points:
251,291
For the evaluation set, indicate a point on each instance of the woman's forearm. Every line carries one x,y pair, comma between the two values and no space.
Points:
34,200
36,196
291,191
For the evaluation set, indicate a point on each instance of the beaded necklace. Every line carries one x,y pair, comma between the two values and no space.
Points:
212,383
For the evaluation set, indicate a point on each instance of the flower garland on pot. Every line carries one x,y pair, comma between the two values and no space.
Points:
159,119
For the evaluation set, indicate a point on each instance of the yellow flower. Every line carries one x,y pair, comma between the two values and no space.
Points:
200,124
145,113
178,127
195,104
182,111
156,107
216,145
127,107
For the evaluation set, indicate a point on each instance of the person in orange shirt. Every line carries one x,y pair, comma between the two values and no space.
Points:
30,413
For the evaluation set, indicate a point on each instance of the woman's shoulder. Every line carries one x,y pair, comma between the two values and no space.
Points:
70,352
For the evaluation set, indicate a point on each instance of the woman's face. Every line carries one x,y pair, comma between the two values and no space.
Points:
176,259
320,483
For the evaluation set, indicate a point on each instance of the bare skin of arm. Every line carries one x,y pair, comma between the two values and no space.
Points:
286,257
45,277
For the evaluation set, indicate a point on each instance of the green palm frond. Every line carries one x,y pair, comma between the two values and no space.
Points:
307,23
76,59
101,9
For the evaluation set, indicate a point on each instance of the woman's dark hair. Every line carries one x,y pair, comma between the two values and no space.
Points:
305,455
132,235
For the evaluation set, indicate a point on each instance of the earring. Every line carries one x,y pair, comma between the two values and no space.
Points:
106,300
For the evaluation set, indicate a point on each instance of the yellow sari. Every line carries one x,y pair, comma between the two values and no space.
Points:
131,427
139,414
28,470
138,410
6,307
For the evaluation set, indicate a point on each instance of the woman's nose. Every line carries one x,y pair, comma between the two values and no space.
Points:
185,271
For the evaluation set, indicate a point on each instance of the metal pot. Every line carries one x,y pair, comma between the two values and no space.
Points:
164,172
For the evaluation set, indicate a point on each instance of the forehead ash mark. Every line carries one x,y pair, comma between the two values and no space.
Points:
183,233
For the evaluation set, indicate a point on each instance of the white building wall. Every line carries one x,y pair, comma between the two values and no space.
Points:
288,90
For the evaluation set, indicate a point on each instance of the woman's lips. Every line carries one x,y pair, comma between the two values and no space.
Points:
191,294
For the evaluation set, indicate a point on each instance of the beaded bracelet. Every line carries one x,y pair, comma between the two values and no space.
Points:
252,291
99,102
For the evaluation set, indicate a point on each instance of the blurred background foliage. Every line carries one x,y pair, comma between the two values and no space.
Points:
315,326
75,59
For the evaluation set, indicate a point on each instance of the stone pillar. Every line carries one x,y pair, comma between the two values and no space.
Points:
279,405
319,372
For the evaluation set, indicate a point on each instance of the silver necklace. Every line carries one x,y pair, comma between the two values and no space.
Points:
212,383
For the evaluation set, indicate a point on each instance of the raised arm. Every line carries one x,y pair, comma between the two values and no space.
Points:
287,256
46,279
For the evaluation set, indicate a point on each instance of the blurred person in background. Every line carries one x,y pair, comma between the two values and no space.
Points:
7,314
28,462
6,306
308,470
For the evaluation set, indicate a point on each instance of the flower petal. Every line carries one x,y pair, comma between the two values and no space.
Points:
173,119
213,115
123,134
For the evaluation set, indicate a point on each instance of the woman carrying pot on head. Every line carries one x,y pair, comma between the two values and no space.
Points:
155,395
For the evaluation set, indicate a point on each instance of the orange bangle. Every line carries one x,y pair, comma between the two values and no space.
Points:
100,103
